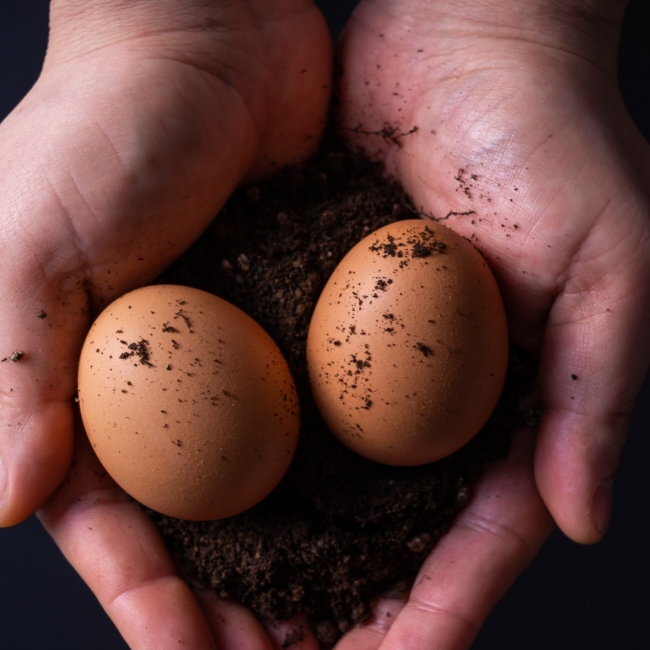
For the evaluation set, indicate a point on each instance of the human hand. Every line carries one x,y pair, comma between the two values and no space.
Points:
535,535
504,120
146,117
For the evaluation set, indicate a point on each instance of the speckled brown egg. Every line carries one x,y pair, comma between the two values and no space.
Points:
408,345
187,402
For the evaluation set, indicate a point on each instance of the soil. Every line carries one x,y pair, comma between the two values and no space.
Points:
339,530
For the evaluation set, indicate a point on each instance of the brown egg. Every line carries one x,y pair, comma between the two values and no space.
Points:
408,345
187,402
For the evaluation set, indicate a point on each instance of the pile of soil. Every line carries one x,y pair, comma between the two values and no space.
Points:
339,530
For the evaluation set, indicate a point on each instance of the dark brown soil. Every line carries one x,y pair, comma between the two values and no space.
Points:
339,530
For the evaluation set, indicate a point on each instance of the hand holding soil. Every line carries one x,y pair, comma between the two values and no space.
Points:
519,140
513,134
143,122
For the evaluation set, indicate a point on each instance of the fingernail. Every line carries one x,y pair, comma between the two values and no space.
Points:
601,505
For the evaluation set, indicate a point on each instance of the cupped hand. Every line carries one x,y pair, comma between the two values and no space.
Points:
143,122
145,118
506,125
503,121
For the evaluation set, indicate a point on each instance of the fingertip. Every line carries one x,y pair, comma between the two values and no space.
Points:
233,626
575,462
370,634
294,633
601,505
3,484
35,460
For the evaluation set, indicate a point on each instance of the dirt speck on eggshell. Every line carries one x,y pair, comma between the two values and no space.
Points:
188,403
408,345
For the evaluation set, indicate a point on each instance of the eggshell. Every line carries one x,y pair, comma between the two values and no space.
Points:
408,345
187,401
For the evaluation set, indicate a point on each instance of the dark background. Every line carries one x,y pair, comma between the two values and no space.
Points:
570,598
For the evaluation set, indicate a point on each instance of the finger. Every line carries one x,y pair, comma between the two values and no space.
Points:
118,552
370,635
233,626
595,355
295,634
491,542
39,334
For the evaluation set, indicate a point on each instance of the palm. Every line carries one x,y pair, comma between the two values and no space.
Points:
501,138
522,147
173,119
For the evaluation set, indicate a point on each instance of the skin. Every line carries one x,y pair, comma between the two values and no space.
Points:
511,102
143,114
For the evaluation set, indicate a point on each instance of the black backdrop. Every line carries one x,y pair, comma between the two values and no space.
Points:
570,598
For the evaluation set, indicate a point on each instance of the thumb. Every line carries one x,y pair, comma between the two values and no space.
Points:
37,384
595,355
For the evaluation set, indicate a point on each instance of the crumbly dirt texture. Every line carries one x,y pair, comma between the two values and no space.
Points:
339,530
